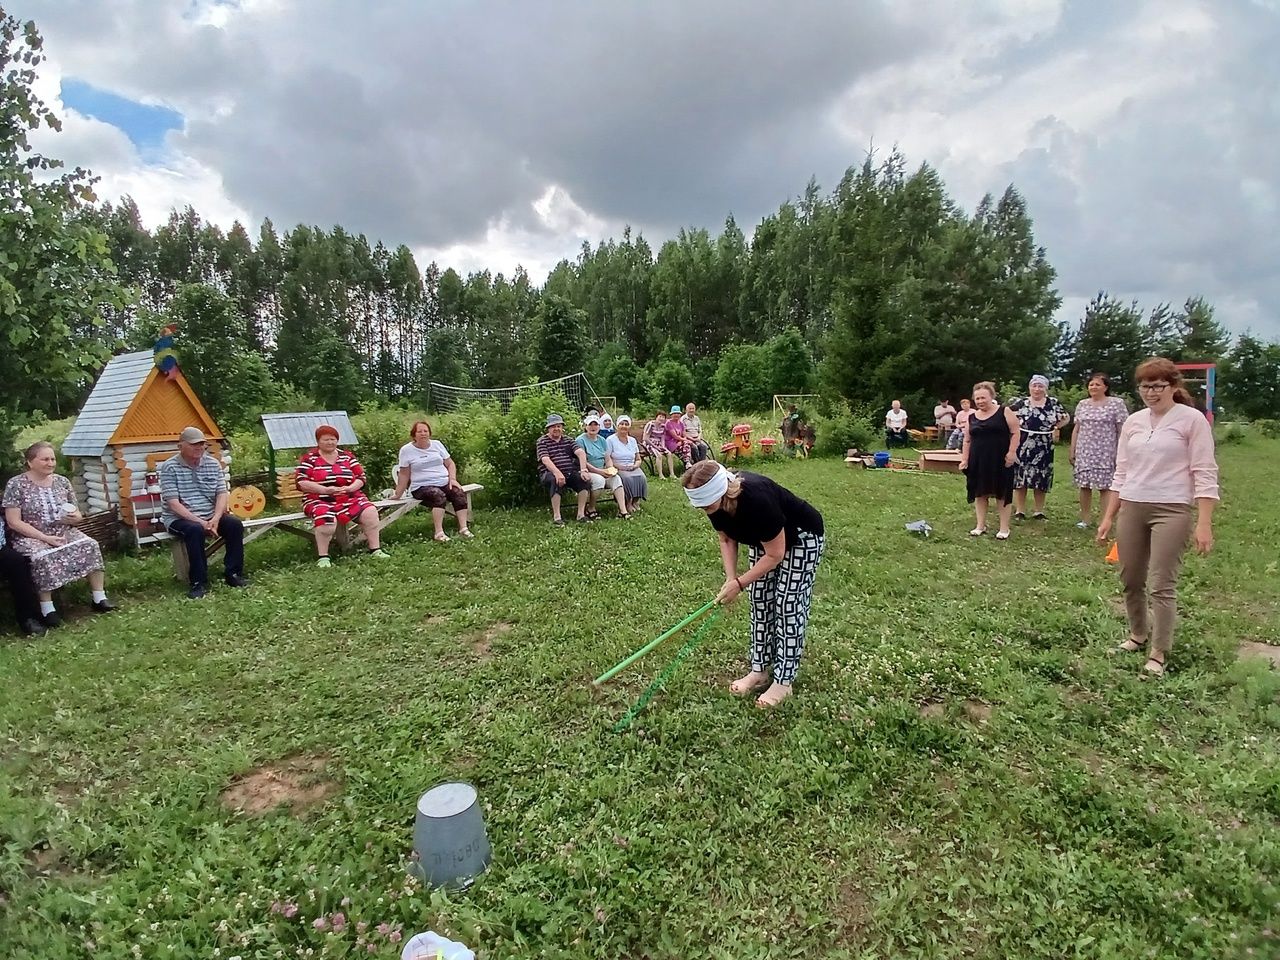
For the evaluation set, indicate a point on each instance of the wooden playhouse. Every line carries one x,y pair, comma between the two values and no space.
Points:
127,428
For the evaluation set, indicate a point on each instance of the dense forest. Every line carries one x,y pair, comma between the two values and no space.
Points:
881,287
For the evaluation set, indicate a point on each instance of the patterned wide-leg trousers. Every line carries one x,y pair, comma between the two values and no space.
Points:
780,608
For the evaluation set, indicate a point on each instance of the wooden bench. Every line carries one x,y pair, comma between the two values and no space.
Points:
298,524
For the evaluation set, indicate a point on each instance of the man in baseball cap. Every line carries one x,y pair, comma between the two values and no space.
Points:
193,489
562,464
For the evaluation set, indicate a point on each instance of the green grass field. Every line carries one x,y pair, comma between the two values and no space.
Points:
964,770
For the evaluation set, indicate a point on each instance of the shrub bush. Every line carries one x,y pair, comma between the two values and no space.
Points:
744,379
249,451
462,431
1235,433
1268,428
382,432
840,431
507,444
670,383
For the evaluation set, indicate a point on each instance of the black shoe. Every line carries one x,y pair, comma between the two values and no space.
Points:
103,606
52,619
197,591
33,627
1038,516
1019,516
557,523
236,580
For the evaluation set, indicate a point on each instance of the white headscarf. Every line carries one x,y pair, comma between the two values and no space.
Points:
1040,379
711,491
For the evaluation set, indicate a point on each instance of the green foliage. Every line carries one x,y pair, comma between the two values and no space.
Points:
925,298
963,771
382,432
52,431
834,435
560,338
1233,433
217,355
461,432
249,451
670,383
1201,338
791,363
508,442
1113,338
1268,428
443,361
56,276
1250,380
623,378
744,378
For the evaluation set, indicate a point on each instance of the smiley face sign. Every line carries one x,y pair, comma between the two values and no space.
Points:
247,501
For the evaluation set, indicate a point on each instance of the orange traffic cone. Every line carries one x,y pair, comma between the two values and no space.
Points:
1113,556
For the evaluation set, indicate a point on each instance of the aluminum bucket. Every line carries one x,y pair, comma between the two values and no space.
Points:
448,835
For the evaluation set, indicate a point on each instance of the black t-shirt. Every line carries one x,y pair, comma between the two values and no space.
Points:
765,508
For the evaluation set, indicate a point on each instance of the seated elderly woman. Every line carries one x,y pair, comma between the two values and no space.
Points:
332,483
623,454
603,476
430,475
41,512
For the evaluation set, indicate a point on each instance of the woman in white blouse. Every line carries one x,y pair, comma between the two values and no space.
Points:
623,453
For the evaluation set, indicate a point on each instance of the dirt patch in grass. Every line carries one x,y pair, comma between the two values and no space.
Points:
1265,651
1092,761
433,620
853,913
934,711
299,783
481,641
977,711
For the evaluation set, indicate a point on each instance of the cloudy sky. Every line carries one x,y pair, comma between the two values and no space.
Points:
1145,136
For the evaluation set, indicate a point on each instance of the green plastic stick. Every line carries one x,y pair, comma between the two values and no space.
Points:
663,677
613,671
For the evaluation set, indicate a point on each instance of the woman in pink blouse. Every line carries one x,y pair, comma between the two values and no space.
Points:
1164,462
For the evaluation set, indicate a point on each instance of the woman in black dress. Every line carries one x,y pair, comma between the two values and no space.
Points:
988,457
784,537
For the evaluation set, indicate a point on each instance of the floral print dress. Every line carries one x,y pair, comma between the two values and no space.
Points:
1097,436
43,508
1035,449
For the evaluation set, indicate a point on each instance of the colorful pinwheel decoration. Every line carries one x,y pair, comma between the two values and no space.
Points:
166,356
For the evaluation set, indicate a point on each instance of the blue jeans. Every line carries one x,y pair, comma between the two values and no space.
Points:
230,529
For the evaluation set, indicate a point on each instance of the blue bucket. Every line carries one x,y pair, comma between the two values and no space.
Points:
882,458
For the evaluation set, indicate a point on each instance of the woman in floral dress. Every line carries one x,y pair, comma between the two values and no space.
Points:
654,442
1099,418
41,512
1040,417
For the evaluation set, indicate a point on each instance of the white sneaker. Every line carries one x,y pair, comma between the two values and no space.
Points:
1002,535
977,531
1083,525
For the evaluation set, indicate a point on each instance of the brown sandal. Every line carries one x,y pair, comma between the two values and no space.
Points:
1153,668
1130,646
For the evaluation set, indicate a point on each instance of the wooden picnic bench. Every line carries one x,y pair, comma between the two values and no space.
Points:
298,524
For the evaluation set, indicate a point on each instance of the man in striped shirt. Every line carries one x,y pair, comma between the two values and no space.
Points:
562,464
194,492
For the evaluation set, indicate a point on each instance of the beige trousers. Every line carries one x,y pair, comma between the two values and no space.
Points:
1151,538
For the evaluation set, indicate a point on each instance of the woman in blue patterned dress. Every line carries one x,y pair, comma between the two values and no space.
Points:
1099,418
1040,417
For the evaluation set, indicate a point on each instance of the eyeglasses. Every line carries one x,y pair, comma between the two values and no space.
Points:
1152,387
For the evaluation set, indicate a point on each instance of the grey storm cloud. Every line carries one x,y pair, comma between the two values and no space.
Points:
425,123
